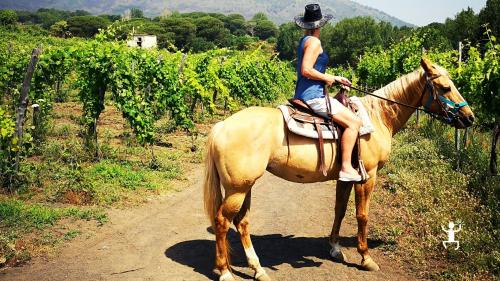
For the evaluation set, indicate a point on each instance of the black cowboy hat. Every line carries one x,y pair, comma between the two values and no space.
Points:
312,18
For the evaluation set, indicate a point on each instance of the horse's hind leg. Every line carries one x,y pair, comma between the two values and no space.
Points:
241,221
227,211
343,191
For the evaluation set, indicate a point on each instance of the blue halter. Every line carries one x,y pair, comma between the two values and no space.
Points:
449,107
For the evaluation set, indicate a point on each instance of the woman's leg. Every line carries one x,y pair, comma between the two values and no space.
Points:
351,124
345,118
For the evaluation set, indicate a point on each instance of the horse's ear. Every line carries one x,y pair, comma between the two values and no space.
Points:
427,66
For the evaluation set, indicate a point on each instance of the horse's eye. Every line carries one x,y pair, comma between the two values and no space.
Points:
446,89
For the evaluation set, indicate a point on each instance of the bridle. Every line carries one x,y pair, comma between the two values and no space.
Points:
448,109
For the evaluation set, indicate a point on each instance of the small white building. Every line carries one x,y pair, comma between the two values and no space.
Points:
145,41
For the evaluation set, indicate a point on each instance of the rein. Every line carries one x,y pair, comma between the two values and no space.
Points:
449,115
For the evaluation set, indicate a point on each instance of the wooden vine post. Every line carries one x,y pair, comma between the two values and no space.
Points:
457,132
493,155
23,101
460,49
418,111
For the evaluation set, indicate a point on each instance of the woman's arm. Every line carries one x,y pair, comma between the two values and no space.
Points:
312,49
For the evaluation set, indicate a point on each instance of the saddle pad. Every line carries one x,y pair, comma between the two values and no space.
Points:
367,126
306,129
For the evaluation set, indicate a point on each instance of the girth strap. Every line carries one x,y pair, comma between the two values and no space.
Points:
322,165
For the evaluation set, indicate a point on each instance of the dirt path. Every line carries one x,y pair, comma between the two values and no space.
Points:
168,239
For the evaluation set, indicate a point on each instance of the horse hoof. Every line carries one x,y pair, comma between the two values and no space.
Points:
227,277
262,276
370,265
337,255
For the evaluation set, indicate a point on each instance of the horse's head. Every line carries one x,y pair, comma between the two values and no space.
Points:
442,97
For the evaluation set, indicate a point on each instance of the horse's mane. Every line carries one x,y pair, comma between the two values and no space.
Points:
402,90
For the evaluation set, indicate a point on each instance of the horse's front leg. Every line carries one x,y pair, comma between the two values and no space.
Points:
342,193
363,194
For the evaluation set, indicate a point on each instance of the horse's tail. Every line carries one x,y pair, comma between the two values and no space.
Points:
212,191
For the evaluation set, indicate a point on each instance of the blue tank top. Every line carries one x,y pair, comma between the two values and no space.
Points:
307,89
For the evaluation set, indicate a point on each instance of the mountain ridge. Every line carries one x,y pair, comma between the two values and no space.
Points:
279,11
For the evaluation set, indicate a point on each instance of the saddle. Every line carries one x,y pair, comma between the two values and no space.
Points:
301,112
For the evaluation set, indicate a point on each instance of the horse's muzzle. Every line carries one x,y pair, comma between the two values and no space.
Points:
463,122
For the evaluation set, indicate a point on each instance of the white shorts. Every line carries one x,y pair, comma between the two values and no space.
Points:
319,106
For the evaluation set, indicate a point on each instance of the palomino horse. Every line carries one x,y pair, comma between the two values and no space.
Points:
255,139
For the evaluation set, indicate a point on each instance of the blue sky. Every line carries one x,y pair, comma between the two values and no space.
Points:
423,12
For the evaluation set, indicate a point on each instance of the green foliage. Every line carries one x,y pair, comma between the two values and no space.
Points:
8,145
380,66
477,79
490,16
350,37
420,205
288,41
86,26
265,29
433,37
60,29
464,26
235,23
136,13
17,213
480,78
48,17
119,174
182,30
259,17
8,17
143,84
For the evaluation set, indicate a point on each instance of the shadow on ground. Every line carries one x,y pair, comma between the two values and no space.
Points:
273,250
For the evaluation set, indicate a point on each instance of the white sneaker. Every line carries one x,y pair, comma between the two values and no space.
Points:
349,177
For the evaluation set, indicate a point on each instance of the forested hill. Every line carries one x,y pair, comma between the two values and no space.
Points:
279,11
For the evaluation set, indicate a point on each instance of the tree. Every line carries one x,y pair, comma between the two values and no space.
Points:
265,29
47,17
490,15
136,13
26,17
464,26
235,23
212,30
80,13
242,42
259,17
86,26
8,17
350,37
200,44
182,29
111,18
433,36
60,29
288,40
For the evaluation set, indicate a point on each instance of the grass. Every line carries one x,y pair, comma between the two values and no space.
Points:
423,189
63,182
19,219
15,213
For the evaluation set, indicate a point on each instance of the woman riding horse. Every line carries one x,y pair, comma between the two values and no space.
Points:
311,80
242,147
